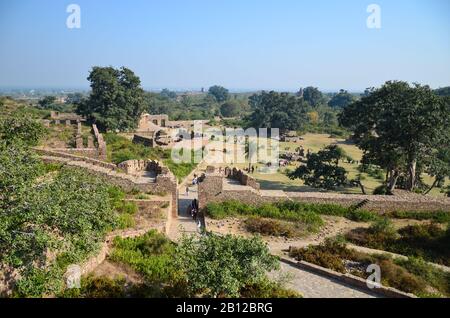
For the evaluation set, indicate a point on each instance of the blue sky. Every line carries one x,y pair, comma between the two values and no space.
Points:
240,44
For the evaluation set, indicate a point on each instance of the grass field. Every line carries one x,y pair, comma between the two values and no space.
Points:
315,142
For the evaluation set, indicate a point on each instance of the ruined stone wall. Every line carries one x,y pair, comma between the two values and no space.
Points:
146,141
212,190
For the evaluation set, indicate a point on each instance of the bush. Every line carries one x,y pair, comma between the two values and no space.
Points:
381,190
269,227
428,241
151,255
435,216
223,265
267,289
332,254
289,211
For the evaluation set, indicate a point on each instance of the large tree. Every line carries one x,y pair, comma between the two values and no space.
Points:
230,108
116,101
341,99
322,169
397,126
312,96
220,93
277,110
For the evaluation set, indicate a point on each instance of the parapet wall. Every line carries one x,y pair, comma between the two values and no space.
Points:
163,183
212,189
241,176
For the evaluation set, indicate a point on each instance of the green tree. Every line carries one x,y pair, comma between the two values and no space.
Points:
116,101
230,109
322,169
438,166
18,129
220,93
312,96
397,126
74,98
341,99
222,265
47,102
168,93
277,110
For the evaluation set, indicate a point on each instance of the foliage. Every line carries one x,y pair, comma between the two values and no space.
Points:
168,94
47,102
222,266
284,211
428,241
435,216
121,149
116,101
183,169
267,289
412,275
289,211
277,228
220,93
151,255
277,110
312,96
398,126
66,216
322,169
341,100
230,109
19,129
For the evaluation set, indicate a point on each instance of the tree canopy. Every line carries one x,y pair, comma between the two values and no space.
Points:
312,96
342,99
398,126
230,109
222,266
220,93
116,101
277,110
322,169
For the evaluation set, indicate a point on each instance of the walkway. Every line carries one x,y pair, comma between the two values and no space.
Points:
311,285
184,224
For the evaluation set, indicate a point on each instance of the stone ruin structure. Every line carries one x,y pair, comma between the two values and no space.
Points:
96,148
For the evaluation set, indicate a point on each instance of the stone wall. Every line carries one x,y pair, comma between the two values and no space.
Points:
242,177
144,140
212,190
164,182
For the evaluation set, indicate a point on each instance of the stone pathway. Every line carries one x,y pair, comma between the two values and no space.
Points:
311,285
184,224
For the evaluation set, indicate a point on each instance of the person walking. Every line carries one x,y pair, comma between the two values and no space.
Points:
187,190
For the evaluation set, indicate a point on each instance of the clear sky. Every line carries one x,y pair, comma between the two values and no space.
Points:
240,44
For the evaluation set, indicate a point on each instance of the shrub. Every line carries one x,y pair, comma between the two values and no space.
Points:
223,265
268,227
267,289
151,255
126,221
381,190
435,216
289,211
428,241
